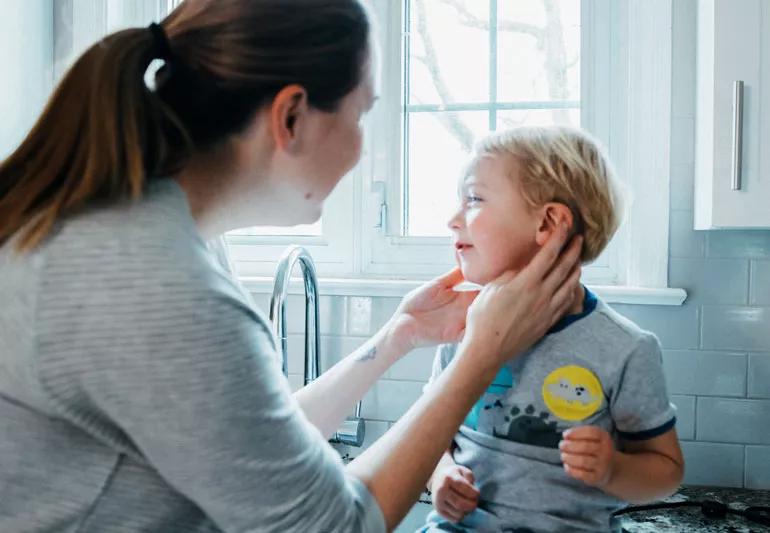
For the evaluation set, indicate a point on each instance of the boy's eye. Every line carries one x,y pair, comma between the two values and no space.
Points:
470,199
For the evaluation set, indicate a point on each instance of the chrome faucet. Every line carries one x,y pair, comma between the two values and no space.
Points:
278,310
353,429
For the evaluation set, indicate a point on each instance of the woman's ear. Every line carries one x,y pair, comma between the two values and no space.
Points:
287,116
553,214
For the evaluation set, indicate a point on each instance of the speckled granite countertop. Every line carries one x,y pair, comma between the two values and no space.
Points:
692,519
687,520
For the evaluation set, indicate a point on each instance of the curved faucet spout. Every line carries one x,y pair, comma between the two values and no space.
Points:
278,310
353,430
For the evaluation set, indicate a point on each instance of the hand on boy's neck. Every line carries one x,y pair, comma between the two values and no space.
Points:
554,214
577,303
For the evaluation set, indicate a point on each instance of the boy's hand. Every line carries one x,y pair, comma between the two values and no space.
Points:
454,495
588,454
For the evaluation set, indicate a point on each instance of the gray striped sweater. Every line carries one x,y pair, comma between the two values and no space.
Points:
139,391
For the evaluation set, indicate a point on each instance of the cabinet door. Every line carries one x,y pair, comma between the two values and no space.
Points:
733,46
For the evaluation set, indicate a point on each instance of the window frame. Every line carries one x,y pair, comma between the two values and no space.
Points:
629,67
388,254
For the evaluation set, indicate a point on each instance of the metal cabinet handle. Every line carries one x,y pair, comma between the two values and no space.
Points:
737,135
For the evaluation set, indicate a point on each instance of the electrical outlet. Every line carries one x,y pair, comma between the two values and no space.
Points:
359,315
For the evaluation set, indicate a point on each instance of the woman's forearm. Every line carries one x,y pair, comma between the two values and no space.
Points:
644,476
397,466
446,460
328,400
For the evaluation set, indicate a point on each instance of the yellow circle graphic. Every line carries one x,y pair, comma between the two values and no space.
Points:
572,393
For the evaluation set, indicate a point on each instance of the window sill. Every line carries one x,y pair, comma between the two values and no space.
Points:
383,288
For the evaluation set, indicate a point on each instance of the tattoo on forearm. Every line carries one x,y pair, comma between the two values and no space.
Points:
368,355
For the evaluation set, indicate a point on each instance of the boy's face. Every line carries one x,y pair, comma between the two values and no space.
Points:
494,229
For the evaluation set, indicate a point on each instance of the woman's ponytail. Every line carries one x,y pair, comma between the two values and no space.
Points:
102,132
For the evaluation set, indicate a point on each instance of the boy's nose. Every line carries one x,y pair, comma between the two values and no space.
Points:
456,221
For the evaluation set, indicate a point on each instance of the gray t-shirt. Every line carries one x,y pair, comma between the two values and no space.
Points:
140,391
596,368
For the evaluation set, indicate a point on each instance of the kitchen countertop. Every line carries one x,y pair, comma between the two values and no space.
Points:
692,519
686,520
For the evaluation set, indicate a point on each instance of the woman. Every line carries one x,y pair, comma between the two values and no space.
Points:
138,388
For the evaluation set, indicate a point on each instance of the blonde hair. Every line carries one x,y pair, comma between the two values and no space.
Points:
564,165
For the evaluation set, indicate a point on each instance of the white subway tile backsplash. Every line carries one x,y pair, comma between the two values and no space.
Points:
388,400
382,310
415,366
760,283
759,375
743,244
736,328
711,281
676,327
758,467
685,416
331,313
705,373
733,420
711,464
333,349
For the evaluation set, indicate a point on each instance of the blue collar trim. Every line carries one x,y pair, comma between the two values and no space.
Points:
589,305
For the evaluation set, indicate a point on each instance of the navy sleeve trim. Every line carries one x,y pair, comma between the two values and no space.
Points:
650,433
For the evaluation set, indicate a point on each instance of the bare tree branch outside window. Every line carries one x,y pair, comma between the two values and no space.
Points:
549,38
435,114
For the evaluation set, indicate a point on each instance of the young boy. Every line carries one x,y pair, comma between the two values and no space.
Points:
581,423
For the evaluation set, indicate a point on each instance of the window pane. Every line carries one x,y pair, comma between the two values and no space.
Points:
440,146
533,47
538,50
538,117
447,39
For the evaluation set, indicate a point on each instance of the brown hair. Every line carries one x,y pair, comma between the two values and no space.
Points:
568,166
103,132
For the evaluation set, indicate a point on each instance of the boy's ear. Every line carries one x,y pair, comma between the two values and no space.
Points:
553,214
287,113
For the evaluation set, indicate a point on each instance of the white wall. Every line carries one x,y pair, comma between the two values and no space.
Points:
26,71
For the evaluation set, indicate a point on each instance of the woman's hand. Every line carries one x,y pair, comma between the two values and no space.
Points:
433,313
514,311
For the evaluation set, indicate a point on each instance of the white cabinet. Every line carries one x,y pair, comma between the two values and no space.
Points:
732,145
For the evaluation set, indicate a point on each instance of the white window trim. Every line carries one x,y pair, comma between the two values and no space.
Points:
643,128
397,288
